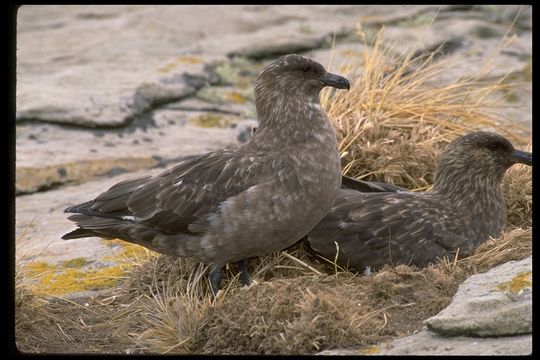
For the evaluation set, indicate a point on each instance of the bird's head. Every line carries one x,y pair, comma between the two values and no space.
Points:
293,75
479,154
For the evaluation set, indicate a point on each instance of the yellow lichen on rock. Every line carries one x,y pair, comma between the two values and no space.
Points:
369,351
72,280
211,121
75,263
236,97
74,275
518,283
185,59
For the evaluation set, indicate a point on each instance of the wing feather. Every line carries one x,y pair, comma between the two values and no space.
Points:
182,195
374,229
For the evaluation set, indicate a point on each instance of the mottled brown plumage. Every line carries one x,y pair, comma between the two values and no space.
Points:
464,208
240,202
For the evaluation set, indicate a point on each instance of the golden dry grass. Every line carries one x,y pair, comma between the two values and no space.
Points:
517,185
396,118
391,126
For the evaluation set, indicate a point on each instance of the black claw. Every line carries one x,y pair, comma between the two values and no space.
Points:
244,274
215,280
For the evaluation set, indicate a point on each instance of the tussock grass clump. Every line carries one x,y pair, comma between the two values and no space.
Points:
397,117
173,298
290,316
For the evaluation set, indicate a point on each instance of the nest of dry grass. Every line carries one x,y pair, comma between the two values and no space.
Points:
391,126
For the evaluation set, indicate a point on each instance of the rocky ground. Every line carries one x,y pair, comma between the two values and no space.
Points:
107,92
491,314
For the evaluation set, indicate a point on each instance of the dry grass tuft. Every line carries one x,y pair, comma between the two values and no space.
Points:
289,316
396,118
514,244
174,299
517,188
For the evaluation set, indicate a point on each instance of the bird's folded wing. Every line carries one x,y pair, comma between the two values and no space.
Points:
373,229
368,186
179,196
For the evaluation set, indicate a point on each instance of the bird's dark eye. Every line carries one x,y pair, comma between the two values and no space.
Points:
499,146
305,68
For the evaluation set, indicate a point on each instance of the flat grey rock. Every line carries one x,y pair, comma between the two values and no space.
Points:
195,104
48,155
138,56
103,80
40,223
427,343
496,303
465,38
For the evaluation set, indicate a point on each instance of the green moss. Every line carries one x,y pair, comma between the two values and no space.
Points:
131,251
114,243
243,83
368,33
511,97
418,20
225,95
212,94
227,74
50,279
246,67
206,120
125,251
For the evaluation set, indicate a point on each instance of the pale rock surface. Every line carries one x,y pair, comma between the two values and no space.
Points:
491,314
495,303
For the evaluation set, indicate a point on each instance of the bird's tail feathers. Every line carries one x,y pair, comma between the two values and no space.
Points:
78,234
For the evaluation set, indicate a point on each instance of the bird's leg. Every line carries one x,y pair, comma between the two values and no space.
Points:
244,275
215,279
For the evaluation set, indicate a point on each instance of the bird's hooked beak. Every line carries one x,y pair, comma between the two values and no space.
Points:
522,157
336,81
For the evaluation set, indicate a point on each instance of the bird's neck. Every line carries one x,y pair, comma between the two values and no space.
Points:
290,119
